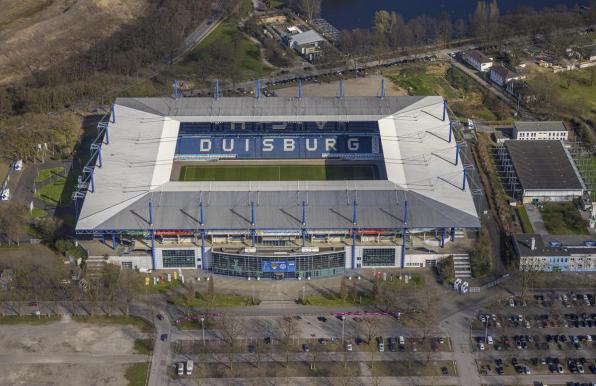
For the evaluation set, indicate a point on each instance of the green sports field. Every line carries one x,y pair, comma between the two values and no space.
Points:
277,172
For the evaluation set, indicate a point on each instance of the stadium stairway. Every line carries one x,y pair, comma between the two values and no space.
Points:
461,266
94,267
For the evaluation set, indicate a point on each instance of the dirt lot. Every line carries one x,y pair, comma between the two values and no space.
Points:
368,86
34,33
67,374
66,353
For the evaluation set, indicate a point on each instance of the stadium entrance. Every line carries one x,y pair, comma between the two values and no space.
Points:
278,265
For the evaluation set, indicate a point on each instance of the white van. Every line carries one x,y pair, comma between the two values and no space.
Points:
490,340
5,195
189,366
402,341
18,165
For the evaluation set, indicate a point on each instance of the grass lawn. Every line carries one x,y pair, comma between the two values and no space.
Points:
143,346
29,319
277,172
577,93
136,374
4,168
44,174
563,219
38,213
58,192
419,81
333,301
524,219
227,50
141,324
220,301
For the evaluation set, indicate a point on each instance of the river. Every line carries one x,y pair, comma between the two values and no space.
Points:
349,14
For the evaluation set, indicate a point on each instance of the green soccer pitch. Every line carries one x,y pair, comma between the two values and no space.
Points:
277,172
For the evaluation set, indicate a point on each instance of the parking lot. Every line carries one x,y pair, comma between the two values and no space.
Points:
545,334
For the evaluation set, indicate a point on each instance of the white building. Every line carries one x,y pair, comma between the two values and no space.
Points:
537,131
501,75
308,44
555,253
478,60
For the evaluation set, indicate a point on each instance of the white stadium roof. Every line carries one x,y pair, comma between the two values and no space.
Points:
137,164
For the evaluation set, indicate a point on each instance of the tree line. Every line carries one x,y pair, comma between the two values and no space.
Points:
487,23
45,284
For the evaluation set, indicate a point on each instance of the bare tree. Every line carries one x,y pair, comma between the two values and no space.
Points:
310,8
427,319
289,328
343,289
92,294
211,290
354,291
129,287
314,354
370,325
230,328
108,286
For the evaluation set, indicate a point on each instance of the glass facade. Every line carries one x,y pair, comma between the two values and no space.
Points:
174,258
316,265
378,257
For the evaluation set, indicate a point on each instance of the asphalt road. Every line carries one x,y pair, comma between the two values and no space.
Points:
201,32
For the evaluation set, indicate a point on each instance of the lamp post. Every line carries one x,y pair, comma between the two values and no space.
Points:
343,320
203,328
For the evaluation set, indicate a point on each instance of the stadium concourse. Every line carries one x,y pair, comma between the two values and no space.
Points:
276,187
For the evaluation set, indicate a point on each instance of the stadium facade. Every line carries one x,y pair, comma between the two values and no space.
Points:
146,201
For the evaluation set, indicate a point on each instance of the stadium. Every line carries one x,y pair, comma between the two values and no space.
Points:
275,187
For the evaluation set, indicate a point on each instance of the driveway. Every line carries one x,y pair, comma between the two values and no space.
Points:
536,219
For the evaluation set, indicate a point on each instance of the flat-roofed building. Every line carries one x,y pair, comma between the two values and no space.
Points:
308,44
540,130
541,171
555,253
